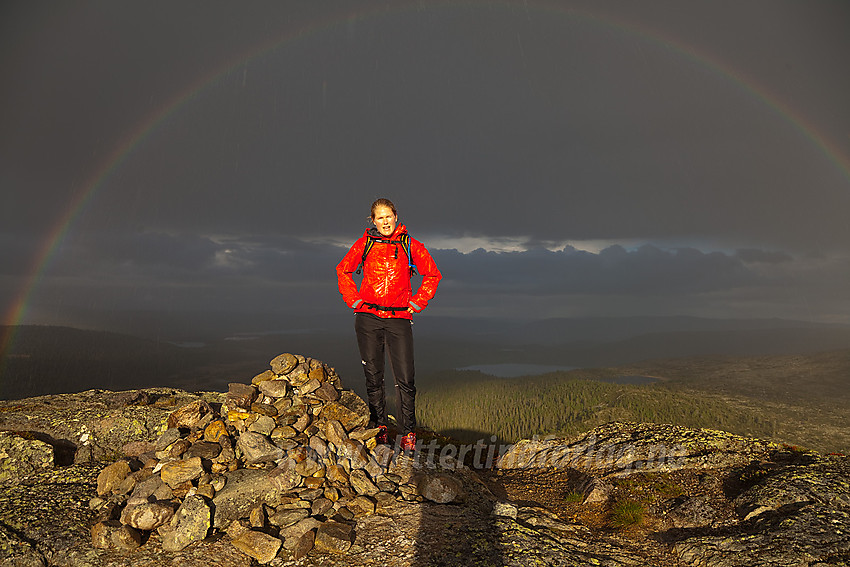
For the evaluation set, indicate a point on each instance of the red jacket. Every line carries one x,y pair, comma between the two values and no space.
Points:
386,277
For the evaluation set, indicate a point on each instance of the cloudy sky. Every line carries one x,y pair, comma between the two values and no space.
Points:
558,158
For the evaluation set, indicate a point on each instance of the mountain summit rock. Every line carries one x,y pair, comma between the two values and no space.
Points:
284,470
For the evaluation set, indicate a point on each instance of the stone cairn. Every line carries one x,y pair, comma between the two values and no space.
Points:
288,463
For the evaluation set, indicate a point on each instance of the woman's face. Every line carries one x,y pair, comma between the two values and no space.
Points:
384,220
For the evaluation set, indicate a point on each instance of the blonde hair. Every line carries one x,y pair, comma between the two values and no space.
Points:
382,203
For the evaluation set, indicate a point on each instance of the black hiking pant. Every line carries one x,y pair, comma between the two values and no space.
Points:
374,335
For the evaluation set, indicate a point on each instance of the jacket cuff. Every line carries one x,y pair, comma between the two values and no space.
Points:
356,303
415,307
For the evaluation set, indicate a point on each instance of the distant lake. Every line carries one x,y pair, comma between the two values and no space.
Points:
509,370
633,380
514,370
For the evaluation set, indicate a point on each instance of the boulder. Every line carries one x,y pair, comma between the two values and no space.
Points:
258,545
246,488
257,448
190,416
333,537
441,488
621,448
274,388
303,545
191,523
114,535
146,516
361,482
176,473
111,477
284,364
350,410
240,395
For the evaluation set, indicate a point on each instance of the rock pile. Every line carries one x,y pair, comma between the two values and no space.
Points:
286,463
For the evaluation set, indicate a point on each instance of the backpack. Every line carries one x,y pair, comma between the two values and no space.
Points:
404,240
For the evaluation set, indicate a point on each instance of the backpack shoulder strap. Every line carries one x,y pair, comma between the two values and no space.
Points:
405,244
370,241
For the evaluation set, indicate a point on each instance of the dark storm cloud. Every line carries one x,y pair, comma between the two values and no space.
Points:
220,149
150,250
202,259
752,255
569,124
17,254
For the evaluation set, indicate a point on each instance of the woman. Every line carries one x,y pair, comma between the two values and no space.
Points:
384,306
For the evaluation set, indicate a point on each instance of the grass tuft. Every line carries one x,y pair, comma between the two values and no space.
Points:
574,497
627,513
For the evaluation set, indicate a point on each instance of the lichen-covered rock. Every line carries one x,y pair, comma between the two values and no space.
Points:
257,448
17,552
794,509
258,545
97,422
624,448
333,537
111,477
48,513
361,483
191,523
21,455
112,534
245,489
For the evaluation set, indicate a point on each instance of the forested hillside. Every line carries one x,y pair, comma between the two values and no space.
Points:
564,403
799,399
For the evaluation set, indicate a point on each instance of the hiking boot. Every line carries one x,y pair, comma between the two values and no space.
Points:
408,442
382,437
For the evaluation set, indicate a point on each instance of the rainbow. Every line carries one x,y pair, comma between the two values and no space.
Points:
150,123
